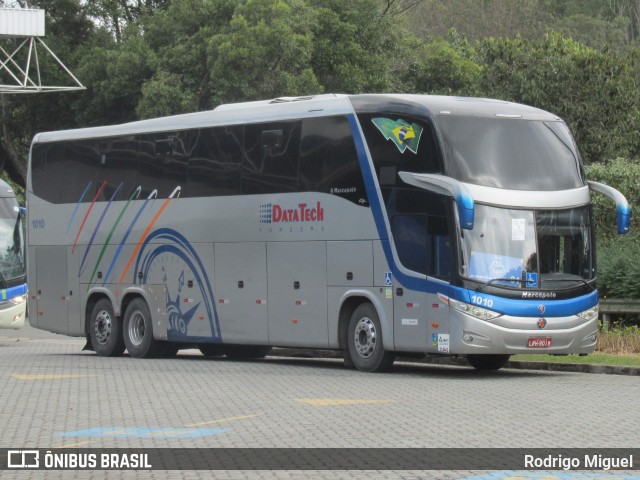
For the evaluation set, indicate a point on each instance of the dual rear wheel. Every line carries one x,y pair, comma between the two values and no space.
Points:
110,335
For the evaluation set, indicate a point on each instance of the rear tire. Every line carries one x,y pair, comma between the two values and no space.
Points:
488,362
105,330
365,343
138,331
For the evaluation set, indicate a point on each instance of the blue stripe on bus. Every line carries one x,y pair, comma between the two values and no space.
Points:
515,307
407,281
12,292
525,307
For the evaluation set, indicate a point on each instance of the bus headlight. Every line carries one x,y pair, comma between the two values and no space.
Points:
18,300
589,314
473,310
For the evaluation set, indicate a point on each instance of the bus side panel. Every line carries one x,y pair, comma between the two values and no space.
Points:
241,290
383,278
350,263
50,288
297,303
74,316
410,321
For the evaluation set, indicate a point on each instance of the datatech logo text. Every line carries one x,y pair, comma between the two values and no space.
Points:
274,213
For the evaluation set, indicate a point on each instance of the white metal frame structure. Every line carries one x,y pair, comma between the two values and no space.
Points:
20,66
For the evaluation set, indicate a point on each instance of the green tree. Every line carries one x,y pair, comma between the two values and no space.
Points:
265,53
595,92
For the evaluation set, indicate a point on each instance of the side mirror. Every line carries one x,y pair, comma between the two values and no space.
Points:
445,186
623,211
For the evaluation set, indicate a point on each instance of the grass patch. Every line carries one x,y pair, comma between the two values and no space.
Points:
621,340
631,360
619,346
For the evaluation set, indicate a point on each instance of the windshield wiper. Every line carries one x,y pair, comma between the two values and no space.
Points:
581,280
510,280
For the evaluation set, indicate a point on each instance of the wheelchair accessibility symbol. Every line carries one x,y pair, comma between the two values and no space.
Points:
387,279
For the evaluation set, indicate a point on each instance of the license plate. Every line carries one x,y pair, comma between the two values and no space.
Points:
539,342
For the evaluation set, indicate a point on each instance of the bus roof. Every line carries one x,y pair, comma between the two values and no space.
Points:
286,108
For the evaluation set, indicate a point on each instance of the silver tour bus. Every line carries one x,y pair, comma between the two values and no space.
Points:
378,225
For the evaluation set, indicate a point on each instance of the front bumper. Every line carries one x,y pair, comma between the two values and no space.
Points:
511,335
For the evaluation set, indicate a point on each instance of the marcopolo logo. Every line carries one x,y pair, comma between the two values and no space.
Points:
303,212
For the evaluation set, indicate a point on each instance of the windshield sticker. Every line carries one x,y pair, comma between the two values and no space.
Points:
489,266
518,226
532,280
404,135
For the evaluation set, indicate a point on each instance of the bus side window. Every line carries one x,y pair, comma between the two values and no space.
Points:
215,161
118,165
329,161
421,231
422,155
272,157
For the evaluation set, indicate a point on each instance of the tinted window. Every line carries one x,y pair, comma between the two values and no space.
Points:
253,159
118,166
420,230
163,161
329,161
215,161
272,156
513,154
398,143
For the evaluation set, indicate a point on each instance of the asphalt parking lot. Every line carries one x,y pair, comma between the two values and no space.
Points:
57,397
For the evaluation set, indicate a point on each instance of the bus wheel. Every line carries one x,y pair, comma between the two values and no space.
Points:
488,362
211,349
246,351
105,330
366,348
138,331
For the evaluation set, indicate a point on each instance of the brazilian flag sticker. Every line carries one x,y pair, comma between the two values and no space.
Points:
404,135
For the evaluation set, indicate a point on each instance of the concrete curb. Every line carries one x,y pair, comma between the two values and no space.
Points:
461,362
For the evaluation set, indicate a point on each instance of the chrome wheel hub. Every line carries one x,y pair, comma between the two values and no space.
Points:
365,337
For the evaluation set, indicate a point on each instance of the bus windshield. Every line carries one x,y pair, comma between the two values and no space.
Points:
12,263
513,154
545,250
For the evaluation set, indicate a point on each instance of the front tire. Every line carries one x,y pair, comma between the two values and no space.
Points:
364,339
488,362
105,330
138,331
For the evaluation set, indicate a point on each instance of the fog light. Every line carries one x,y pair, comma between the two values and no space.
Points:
468,338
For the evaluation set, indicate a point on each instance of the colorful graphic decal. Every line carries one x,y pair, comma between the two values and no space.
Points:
176,194
176,260
153,194
161,256
134,195
75,210
86,215
404,135
95,230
